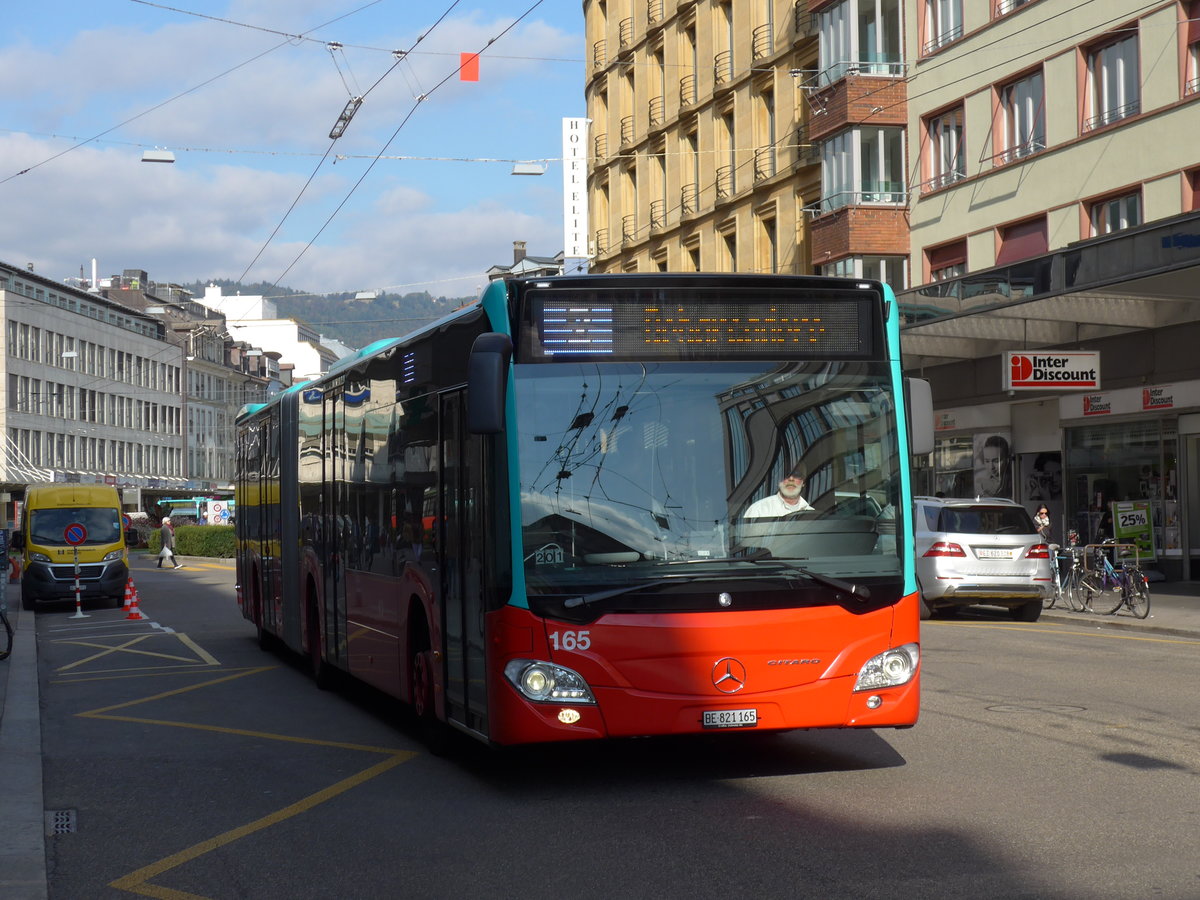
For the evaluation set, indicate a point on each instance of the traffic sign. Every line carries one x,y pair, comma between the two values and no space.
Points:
74,534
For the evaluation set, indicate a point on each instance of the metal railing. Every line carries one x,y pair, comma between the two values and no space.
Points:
1114,114
658,214
764,163
1020,151
625,31
687,90
600,145
945,179
941,40
626,130
629,228
762,40
725,182
689,198
601,240
723,67
599,54
657,111
654,11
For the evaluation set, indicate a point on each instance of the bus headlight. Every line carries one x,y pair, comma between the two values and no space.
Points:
38,557
545,682
115,554
889,669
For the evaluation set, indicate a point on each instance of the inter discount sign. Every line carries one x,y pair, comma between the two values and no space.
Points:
1077,370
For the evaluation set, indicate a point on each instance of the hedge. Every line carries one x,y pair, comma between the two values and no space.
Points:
198,540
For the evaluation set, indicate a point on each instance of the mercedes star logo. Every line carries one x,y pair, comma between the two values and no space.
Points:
729,675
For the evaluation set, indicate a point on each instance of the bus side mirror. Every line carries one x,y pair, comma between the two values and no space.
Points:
487,382
919,403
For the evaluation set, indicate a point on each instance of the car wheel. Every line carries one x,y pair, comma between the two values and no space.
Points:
1027,612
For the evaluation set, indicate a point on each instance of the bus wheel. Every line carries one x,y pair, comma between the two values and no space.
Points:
433,734
322,672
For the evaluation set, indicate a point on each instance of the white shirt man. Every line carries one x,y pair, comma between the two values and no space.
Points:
786,500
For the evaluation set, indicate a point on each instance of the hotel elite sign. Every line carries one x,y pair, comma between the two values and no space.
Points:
1065,370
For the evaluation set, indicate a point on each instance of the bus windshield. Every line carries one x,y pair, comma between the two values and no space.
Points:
640,470
47,526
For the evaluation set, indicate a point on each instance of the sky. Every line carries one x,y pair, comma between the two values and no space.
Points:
416,195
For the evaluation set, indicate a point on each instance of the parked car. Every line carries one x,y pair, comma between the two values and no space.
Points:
980,552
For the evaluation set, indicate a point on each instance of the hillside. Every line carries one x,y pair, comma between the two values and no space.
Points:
355,323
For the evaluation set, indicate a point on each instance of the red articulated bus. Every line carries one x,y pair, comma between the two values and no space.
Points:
603,506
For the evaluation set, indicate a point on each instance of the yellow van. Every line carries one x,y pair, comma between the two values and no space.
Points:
49,554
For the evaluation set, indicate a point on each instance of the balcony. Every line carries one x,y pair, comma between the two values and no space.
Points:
625,32
657,112
658,215
937,42
629,229
599,55
627,130
806,22
600,145
654,11
887,193
944,179
762,41
808,151
689,199
1021,151
1114,114
687,90
764,163
725,182
601,242
723,67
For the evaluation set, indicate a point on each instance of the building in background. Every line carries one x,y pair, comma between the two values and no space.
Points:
118,385
1056,211
702,157
526,266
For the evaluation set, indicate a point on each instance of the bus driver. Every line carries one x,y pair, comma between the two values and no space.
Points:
786,500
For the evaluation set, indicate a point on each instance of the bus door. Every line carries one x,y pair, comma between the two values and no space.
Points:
337,539
463,545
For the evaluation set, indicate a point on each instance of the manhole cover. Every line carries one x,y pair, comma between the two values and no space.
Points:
1049,707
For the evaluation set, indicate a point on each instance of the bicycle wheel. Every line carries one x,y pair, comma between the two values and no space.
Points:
6,636
1073,593
1139,593
1055,596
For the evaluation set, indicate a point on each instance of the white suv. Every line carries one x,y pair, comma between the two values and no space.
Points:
984,551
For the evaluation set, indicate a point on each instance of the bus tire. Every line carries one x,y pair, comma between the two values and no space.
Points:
322,671
433,733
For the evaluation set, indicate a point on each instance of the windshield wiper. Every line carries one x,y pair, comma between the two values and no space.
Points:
845,587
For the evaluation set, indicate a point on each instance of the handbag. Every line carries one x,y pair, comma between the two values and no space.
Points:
166,553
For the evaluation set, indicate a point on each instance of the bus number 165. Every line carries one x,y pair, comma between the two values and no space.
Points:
570,640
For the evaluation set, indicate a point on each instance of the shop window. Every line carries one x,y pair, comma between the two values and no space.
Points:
1022,241
945,158
1115,213
1113,87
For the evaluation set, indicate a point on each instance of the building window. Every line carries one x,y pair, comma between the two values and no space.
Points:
1022,118
1115,213
728,242
863,166
947,261
1022,240
1191,190
859,36
943,23
1113,92
1191,74
892,270
1004,7
768,244
946,155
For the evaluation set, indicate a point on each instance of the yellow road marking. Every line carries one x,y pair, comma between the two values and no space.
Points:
136,882
205,657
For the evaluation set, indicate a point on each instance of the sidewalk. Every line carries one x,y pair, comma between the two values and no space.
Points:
1174,610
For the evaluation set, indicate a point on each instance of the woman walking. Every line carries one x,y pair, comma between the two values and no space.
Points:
167,534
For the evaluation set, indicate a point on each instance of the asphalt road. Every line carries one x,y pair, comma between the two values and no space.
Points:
182,761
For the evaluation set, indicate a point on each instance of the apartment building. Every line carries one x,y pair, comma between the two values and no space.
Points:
701,156
1055,211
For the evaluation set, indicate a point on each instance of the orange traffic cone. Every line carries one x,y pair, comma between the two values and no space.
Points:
128,595
134,612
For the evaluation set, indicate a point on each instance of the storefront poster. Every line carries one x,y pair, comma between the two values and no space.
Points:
1132,525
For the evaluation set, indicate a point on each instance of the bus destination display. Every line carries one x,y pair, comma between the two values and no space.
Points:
692,329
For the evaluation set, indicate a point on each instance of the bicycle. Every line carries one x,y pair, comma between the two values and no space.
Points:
1068,570
1112,587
